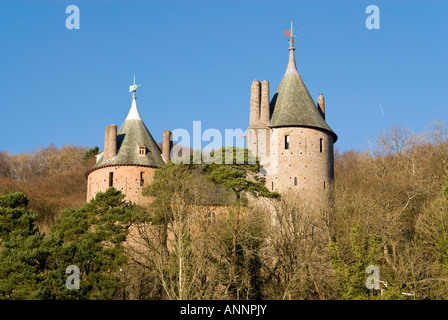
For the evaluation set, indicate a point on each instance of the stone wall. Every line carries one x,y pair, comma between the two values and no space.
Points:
126,179
304,167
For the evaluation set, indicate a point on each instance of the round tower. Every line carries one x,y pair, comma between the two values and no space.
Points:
301,142
129,160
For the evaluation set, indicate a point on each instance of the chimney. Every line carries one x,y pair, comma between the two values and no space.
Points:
112,140
167,145
321,105
254,103
264,110
106,144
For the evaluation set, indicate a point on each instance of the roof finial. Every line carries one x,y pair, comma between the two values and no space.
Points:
133,88
291,68
292,39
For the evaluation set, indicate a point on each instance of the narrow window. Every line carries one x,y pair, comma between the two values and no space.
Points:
295,181
320,144
211,218
272,185
111,179
324,185
141,151
142,179
286,142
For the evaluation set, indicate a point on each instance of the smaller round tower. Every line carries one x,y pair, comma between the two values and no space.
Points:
129,160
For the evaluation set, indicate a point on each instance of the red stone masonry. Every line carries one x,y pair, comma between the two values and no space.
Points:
129,179
305,167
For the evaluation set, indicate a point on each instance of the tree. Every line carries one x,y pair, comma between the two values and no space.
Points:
185,198
90,238
241,175
52,179
294,255
21,261
432,243
91,153
351,271
179,258
237,177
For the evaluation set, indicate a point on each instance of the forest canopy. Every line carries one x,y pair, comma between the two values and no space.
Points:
213,231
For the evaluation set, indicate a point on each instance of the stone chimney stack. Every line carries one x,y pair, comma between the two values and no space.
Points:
110,142
264,110
113,140
255,95
106,144
167,145
321,105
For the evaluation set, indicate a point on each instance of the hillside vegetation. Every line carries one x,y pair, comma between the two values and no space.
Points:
52,179
215,232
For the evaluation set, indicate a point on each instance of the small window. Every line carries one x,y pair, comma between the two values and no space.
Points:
111,179
211,218
272,186
141,151
286,142
320,144
142,179
295,181
324,185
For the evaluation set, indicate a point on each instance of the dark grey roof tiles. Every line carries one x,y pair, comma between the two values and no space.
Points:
292,104
132,135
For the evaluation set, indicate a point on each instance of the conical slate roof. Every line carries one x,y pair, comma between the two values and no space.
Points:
292,105
132,135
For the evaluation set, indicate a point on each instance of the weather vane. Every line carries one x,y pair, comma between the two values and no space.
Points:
290,33
134,87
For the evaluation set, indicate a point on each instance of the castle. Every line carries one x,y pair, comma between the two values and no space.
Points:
289,134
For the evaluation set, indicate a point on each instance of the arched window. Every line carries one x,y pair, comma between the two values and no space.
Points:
286,142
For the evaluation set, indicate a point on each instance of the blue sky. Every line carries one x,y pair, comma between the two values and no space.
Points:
196,61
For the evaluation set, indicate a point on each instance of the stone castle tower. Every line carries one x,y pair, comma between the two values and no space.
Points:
291,137
129,159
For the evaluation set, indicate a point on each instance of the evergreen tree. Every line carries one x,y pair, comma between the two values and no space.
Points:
21,261
91,239
91,153
240,175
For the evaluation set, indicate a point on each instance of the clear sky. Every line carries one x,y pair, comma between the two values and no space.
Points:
196,60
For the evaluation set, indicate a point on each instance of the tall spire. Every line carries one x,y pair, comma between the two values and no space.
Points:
133,113
291,68
292,105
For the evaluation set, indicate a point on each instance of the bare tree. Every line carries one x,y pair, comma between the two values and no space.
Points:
297,254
